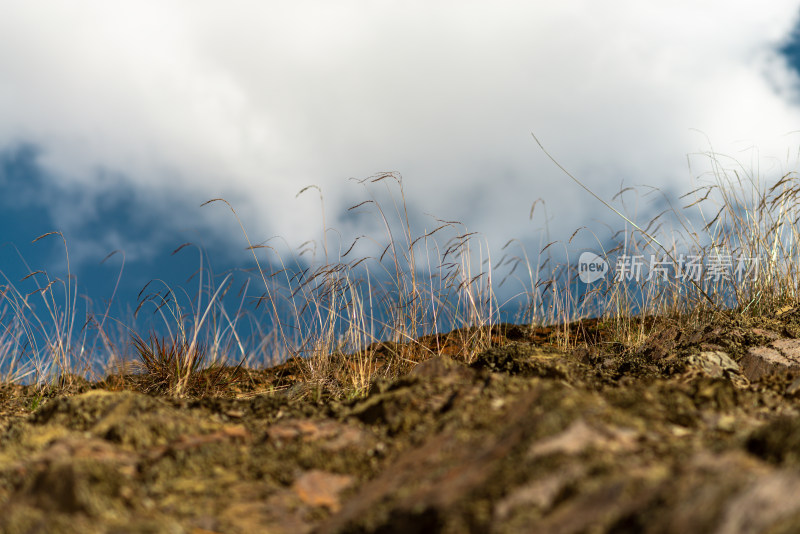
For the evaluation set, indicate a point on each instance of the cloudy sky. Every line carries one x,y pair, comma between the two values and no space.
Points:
120,118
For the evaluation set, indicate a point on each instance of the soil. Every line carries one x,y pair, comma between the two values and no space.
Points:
687,432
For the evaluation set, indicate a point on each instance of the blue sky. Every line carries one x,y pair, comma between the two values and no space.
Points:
120,119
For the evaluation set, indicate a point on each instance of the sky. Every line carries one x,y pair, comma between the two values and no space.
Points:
119,119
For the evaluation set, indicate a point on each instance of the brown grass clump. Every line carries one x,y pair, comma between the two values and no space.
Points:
176,367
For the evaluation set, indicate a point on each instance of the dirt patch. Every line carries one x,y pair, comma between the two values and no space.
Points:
669,436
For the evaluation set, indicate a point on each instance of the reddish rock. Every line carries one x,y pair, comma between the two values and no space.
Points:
320,488
779,357
769,334
789,347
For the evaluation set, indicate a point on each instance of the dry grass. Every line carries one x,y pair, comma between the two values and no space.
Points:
396,294
374,308
173,367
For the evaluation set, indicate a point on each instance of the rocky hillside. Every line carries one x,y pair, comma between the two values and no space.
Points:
694,430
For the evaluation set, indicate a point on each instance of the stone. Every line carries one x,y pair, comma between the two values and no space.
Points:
320,488
714,363
779,357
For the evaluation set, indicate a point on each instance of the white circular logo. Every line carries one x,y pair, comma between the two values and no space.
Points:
591,267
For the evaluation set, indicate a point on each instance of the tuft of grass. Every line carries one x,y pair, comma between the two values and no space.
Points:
35,402
168,364
176,367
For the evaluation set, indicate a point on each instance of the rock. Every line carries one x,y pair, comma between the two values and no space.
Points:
763,505
440,366
769,334
715,364
320,488
779,357
793,389
580,437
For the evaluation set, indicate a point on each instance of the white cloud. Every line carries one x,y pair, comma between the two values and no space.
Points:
254,100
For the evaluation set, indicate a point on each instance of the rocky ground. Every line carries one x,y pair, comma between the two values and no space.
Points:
695,430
